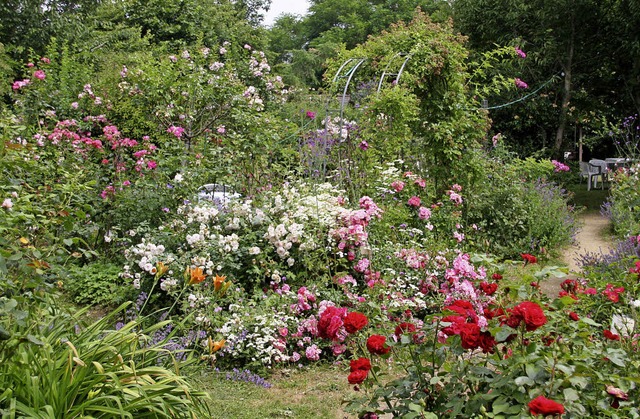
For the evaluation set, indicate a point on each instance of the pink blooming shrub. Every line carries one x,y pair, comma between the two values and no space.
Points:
520,84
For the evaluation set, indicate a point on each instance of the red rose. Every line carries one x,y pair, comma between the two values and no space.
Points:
493,313
404,327
574,316
496,277
355,321
528,258
610,335
487,288
376,344
470,335
487,342
530,313
360,364
543,406
357,376
330,322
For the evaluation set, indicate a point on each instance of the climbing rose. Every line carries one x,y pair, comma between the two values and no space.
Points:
489,289
469,335
543,406
355,321
376,344
520,84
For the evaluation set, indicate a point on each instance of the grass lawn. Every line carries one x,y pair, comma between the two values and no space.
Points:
307,393
589,200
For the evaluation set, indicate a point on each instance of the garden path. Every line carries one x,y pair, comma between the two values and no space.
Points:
592,237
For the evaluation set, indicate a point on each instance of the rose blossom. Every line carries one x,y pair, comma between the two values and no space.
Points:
543,406
355,321
376,344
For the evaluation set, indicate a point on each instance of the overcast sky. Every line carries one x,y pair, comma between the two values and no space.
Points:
297,7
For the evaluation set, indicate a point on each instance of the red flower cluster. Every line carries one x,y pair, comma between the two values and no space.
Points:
613,294
543,406
635,269
331,322
488,288
574,316
465,325
496,277
359,370
528,258
355,321
377,344
610,335
529,313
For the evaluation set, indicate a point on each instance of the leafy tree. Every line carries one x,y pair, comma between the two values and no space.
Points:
569,38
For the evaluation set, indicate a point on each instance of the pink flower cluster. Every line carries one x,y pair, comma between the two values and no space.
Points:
559,166
520,84
19,84
177,131
520,53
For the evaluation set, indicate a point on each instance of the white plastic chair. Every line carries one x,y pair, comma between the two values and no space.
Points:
219,194
600,167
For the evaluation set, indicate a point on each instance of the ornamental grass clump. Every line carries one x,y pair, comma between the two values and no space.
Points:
53,364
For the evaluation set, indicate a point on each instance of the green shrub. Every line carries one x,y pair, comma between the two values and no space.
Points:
97,283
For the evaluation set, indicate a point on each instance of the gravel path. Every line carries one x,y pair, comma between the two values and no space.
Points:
592,237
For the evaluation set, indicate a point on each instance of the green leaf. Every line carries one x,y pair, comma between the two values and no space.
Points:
570,394
68,242
34,340
524,381
590,322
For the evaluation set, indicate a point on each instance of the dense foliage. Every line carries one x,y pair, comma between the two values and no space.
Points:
154,165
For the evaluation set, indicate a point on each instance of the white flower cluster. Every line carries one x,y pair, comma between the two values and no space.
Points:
229,243
256,336
149,255
199,213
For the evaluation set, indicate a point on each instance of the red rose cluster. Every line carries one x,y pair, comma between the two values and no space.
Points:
529,313
359,370
613,294
465,325
331,322
528,258
543,406
334,321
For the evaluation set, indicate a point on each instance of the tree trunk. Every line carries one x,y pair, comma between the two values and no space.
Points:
566,97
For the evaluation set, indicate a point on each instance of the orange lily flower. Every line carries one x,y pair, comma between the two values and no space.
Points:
215,346
161,269
197,276
218,282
